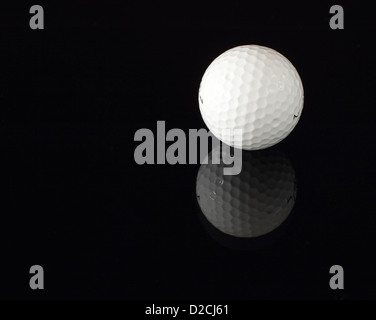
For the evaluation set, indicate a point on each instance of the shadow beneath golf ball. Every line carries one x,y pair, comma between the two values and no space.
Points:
249,210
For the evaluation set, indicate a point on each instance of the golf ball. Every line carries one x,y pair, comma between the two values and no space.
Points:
252,203
251,97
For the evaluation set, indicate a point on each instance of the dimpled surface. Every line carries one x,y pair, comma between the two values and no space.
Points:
253,89
252,203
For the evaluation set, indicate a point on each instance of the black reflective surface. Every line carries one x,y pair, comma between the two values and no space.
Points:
74,200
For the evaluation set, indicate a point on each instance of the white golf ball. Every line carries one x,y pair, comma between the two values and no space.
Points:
251,97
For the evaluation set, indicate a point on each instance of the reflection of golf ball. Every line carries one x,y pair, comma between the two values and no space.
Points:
252,203
253,89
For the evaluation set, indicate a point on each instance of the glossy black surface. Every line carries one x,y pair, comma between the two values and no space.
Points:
75,202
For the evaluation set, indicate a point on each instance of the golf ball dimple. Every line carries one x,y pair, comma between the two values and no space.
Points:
252,203
253,90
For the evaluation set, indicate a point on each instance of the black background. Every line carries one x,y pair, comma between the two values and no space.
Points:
74,201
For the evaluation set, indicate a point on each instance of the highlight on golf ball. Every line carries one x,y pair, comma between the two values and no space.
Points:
251,97
252,203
